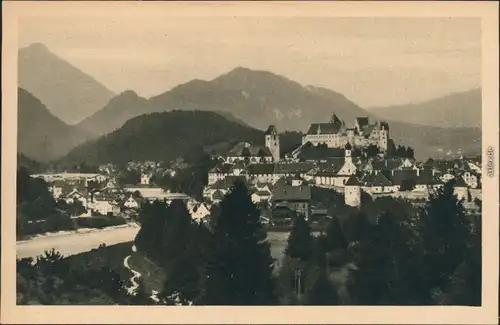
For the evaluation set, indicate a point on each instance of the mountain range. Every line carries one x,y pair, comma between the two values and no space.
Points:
259,98
69,93
460,109
41,135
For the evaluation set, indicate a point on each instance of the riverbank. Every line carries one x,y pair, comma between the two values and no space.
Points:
75,242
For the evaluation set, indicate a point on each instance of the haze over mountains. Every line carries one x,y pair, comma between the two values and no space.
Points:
69,93
460,109
260,98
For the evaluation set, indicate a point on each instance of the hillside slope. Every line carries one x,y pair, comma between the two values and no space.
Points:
41,135
163,136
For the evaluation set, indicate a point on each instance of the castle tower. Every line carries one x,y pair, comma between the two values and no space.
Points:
352,192
273,142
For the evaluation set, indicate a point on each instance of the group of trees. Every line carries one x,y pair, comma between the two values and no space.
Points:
190,180
227,263
400,151
37,210
381,256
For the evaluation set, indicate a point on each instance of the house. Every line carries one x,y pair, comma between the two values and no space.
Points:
75,194
262,173
131,203
471,179
292,169
297,198
261,196
248,153
461,190
105,208
199,211
145,178
219,172
222,186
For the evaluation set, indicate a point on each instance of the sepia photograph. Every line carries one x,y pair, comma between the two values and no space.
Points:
198,154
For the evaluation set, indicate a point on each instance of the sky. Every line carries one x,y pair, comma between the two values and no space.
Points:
372,61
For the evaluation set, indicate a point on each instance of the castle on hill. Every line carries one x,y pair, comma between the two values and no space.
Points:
335,134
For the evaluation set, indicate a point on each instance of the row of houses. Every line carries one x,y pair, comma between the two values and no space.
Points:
335,172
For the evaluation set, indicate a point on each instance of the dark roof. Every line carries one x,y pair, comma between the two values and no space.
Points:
311,152
292,193
389,163
260,169
291,168
246,149
272,130
381,180
352,181
401,175
227,182
324,128
348,146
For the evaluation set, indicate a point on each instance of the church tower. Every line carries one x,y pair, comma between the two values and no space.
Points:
273,142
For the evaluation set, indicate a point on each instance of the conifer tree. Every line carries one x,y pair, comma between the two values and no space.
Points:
320,291
239,270
300,241
465,287
444,229
387,266
358,227
335,236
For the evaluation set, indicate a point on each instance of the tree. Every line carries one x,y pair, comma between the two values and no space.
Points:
466,282
239,268
387,266
320,291
334,243
358,227
300,241
129,177
444,228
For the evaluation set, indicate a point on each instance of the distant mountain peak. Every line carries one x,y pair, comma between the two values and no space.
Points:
127,93
69,93
37,47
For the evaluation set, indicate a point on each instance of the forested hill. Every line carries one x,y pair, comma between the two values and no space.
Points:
164,136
